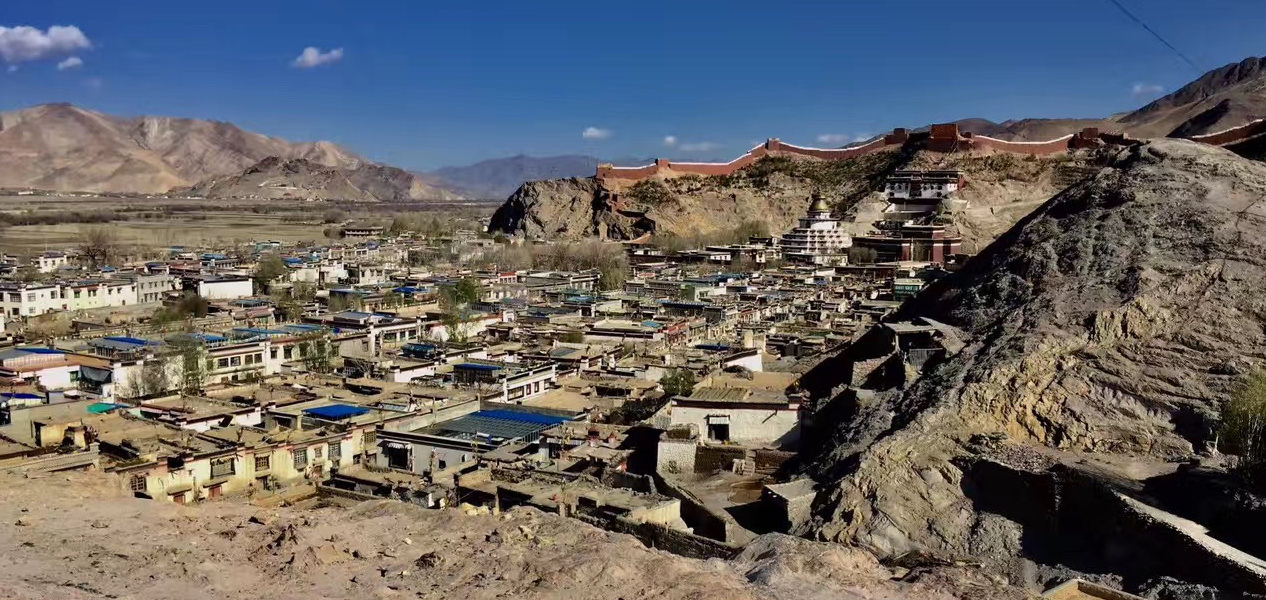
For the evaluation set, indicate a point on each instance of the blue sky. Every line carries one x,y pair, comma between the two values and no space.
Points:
424,84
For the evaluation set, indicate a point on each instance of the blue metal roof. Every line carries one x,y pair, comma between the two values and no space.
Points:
477,367
130,340
40,350
21,396
336,411
522,417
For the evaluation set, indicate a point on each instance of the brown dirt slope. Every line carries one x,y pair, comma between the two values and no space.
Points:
1111,321
75,538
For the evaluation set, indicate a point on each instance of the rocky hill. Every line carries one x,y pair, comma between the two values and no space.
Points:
300,178
776,191
1001,189
1094,344
77,537
68,148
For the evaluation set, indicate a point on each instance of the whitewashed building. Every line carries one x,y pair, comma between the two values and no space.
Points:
820,239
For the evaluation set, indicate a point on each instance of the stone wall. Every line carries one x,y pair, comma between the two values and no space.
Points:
712,459
703,520
682,543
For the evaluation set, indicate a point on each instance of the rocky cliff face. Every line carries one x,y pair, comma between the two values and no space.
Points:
1105,328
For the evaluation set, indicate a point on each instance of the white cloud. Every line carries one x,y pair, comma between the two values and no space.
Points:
595,133
1146,89
70,63
25,43
670,140
833,138
700,147
94,83
314,57
13,68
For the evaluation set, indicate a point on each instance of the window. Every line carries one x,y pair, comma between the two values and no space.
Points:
221,467
272,353
289,352
317,451
30,297
263,462
222,363
369,438
336,451
301,457
235,361
138,483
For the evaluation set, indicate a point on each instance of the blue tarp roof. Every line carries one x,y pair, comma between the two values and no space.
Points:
712,346
336,411
476,367
21,396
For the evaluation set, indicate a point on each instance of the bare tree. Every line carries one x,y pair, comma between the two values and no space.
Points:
99,245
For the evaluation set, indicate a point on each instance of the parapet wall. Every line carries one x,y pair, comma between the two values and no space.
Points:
1234,135
940,138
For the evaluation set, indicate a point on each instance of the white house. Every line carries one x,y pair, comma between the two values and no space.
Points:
226,287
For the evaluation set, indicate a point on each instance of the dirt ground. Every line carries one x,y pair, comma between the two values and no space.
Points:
74,537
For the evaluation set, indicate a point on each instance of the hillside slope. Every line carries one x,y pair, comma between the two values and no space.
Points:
1102,333
299,178
1225,97
68,148
77,539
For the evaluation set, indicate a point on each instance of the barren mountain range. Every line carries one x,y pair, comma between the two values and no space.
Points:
67,148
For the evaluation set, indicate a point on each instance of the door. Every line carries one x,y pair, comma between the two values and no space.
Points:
215,491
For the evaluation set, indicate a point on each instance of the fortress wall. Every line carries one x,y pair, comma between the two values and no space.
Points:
1233,135
1054,146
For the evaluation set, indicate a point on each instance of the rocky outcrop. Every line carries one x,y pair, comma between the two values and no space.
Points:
277,178
1110,322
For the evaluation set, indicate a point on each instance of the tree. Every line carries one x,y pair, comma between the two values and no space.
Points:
334,215
189,306
455,303
1243,430
858,255
154,378
681,382
193,370
98,245
316,353
267,270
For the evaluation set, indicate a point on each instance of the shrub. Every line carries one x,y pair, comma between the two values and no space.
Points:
1243,431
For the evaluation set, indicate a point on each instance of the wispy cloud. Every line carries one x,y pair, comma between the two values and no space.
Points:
94,83
596,133
13,68
73,62
670,140
314,57
833,138
700,147
1146,89
25,43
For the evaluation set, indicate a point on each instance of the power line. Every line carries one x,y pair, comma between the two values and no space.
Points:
1156,35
